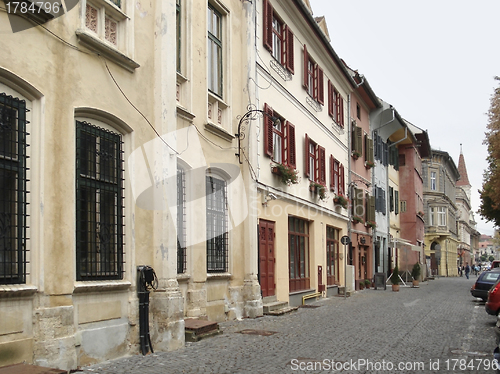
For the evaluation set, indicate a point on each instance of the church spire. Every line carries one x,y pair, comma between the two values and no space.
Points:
462,169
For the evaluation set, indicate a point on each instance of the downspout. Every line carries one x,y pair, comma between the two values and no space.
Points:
349,194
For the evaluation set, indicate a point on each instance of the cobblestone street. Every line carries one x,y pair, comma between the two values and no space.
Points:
436,328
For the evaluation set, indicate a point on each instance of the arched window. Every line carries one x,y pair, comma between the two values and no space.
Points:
99,202
217,224
13,189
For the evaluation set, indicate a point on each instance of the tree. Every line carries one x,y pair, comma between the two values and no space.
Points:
489,207
491,258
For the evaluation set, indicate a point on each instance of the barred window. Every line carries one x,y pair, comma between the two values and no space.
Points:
13,190
217,246
99,203
181,220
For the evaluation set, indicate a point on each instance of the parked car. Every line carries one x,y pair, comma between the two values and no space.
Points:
492,305
484,282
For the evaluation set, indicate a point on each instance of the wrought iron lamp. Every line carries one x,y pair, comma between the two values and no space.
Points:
252,114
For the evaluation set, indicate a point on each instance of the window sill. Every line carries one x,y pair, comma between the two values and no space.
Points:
92,42
184,113
219,131
215,276
183,277
98,286
17,290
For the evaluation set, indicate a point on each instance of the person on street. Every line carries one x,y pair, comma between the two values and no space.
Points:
467,270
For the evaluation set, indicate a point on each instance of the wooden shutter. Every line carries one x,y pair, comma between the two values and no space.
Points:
396,202
307,172
290,145
331,104
391,199
289,64
341,110
321,92
322,165
306,71
332,171
268,25
368,149
268,131
371,199
358,139
341,180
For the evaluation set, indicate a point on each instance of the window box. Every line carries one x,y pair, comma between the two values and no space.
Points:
288,175
355,155
318,189
357,219
341,200
371,224
369,164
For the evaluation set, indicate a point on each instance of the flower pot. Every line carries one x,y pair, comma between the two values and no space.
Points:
395,287
415,283
275,170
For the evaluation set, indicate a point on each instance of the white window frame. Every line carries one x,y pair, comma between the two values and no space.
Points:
433,181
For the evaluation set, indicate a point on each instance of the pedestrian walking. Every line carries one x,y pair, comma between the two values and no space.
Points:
467,270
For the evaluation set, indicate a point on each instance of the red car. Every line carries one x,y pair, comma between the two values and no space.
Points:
493,303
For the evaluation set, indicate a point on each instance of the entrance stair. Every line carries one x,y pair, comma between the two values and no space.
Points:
271,306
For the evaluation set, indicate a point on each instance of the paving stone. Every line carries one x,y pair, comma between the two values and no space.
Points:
439,323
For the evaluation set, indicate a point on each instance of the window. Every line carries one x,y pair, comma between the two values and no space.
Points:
214,51
279,141
358,111
368,149
106,28
178,34
298,254
396,202
13,190
99,203
403,206
441,216
337,182
433,181
332,255
181,220
335,105
313,78
432,220
217,223
278,38
391,199
380,200
370,207
357,141
315,162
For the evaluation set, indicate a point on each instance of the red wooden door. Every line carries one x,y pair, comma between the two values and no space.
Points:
266,257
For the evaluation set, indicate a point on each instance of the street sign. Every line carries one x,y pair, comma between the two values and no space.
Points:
345,240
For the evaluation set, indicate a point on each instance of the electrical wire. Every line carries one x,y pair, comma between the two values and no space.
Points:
68,44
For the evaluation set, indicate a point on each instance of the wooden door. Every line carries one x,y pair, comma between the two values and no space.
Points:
266,257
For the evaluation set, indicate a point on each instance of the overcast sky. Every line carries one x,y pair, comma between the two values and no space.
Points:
434,61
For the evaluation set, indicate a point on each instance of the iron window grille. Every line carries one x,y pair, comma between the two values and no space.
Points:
217,237
181,220
13,190
99,203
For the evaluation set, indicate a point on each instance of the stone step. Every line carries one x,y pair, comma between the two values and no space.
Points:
280,312
276,305
197,329
269,299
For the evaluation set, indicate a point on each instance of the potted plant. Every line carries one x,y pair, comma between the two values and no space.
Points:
395,279
357,219
340,200
361,284
371,224
319,189
368,283
415,273
287,174
355,154
369,164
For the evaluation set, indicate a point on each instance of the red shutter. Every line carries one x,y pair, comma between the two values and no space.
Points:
341,180
268,25
321,92
306,71
289,50
315,81
268,131
290,145
341,111
338,98
307,172
322,165
332,171
331,104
